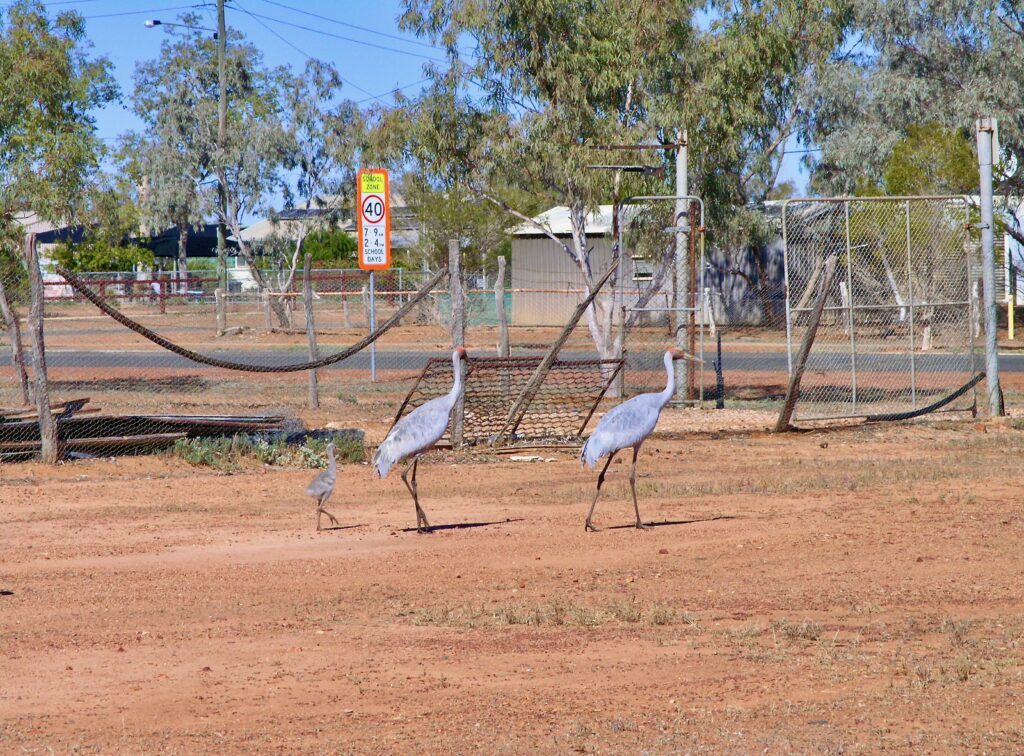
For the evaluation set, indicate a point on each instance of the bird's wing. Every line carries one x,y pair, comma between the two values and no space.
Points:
322,483
623,426
414,433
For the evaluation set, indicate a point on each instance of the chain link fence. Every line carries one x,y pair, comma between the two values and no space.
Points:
901,316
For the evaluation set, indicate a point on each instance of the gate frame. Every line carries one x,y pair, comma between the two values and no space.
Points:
697,298
961,199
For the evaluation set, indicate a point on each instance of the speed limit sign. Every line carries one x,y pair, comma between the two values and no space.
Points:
374,219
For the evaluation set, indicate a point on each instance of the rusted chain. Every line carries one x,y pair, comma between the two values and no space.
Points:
79,286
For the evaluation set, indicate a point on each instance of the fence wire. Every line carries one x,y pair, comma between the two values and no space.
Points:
901,316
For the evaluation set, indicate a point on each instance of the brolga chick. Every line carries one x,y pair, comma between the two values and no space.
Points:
416,433
323,486
629,424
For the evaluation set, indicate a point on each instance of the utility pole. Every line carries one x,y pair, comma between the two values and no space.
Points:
222,129
986,128
682,266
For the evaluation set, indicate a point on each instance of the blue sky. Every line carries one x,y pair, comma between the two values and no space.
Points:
373,59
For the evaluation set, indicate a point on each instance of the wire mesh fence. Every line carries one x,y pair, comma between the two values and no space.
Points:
561,409
900,322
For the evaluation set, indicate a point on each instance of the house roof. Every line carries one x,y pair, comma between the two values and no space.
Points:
557,221
202,242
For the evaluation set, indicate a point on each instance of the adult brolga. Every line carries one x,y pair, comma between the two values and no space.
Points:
323,486
627,425
416,433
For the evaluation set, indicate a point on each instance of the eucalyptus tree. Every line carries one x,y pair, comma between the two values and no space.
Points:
939,62
49,87
175,95
323,138
545,82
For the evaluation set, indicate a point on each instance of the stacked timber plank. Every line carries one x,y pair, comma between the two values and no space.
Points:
81,432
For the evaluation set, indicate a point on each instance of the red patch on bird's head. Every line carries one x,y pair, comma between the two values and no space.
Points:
461,351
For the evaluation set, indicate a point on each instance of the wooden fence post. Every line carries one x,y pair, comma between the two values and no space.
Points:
50,447
499,306
314,354
458,303
793,391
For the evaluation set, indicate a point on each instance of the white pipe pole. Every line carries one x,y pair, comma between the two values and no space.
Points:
985,129
682,266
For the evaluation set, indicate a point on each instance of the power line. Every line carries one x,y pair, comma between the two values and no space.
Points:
298,49
352,26
392,91
346,39
143,12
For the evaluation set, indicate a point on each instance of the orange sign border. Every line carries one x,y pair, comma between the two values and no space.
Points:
387,217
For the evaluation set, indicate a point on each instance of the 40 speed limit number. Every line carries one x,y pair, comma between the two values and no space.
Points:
374,219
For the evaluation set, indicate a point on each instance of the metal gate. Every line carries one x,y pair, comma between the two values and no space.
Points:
663,246
901,313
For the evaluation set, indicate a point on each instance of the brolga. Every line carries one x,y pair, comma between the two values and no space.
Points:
416,433
629,424
323,486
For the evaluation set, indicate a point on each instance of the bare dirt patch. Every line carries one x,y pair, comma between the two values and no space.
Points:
829,591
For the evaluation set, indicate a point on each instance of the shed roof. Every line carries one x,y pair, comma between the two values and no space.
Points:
556,220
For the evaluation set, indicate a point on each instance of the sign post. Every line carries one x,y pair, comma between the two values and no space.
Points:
373,210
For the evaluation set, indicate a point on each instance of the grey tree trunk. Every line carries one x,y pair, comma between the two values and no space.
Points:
50,450
14,334
221,310
314,354
183,256
499,306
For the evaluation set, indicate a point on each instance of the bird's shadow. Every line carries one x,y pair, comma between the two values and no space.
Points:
464,525
341,527
666,523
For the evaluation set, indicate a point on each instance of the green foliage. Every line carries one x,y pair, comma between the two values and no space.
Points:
48,86
332,246
229,454
930,160
100,255
482,228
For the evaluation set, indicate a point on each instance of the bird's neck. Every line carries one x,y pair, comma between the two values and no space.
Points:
453,395
670,381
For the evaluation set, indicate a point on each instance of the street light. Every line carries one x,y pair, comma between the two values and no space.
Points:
151,23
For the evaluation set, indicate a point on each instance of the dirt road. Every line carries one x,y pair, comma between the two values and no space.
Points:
841,591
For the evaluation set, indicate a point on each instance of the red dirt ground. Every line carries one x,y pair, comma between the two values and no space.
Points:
837,591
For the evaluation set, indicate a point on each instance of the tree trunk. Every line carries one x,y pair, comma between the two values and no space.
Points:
50,448
499,308
891,278
314,354
14,334
183,257
598,325
221,311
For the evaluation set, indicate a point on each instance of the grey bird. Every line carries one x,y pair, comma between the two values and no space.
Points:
323,486
416,433
628,425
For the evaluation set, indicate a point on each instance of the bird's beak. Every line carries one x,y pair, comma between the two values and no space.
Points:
682,354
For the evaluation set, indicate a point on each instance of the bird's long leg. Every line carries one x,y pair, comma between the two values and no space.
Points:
319,511
420,514
421,518
320,506
588,525
412,493
632,486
